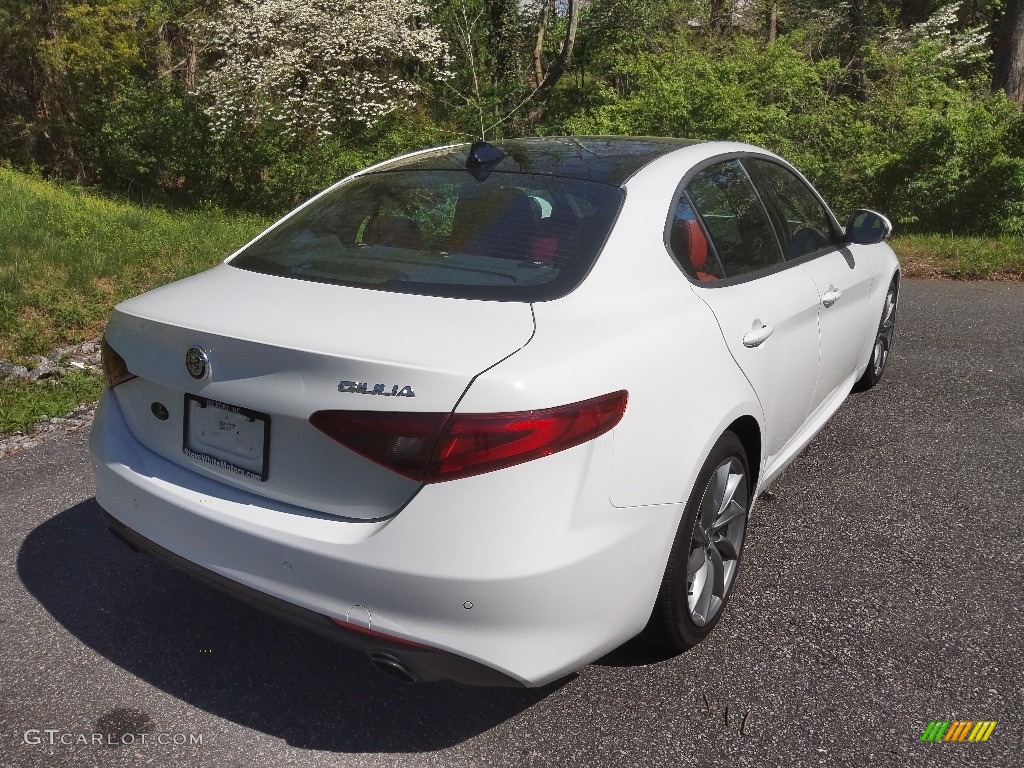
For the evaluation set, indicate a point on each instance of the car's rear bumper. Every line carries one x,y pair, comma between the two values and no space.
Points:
515,577
420,664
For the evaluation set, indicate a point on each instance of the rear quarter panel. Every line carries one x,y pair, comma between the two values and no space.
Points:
634,324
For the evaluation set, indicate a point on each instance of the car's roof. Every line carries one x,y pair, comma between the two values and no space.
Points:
604,159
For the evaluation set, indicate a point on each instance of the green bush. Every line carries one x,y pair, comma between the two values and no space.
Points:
892,115
951,153
936,152
772,96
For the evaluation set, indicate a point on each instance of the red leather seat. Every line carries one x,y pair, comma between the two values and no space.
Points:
689,241
543,249
698,251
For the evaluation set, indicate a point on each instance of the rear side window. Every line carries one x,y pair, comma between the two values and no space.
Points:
806,224
690,245
510,236
734,217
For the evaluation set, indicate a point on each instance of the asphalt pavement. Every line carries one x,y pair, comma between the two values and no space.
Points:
882,588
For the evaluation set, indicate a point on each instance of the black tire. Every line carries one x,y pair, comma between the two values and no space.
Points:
674,623
882,345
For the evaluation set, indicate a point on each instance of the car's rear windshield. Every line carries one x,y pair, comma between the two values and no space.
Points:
498,236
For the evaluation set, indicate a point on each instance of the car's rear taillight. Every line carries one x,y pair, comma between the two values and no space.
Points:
114,367
431,447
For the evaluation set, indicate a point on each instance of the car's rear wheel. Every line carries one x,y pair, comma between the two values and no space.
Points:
706,552
883,341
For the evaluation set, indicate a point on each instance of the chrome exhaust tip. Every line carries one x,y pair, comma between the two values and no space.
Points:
392,667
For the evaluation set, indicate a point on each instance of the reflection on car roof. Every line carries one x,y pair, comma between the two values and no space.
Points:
603,159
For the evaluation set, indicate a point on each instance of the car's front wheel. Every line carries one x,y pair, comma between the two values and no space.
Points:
883,341
706,552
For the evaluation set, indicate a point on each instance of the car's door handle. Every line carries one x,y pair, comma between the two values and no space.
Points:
832,295
758,334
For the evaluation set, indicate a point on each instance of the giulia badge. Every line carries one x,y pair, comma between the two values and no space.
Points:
365,388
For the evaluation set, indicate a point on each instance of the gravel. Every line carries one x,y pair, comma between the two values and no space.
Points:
56,363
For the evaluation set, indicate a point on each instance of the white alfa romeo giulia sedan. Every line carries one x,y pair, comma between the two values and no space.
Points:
486,412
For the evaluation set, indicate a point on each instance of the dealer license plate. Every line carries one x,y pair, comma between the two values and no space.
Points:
229,437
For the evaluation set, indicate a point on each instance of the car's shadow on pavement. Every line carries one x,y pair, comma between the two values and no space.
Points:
636,653
235,662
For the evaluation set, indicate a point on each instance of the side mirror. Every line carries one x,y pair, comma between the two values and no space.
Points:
866,227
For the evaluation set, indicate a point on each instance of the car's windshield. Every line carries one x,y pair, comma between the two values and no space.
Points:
501,236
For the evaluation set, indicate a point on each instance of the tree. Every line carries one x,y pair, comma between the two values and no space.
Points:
508,56
315,67
1008,52
720,16
771,21
915,11
546,80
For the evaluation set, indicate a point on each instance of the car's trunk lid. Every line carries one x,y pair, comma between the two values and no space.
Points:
283,349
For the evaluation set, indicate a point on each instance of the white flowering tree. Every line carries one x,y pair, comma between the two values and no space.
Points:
312,66
949,44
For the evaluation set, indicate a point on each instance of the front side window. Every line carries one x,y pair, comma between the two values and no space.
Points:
806,224
735,219
508,237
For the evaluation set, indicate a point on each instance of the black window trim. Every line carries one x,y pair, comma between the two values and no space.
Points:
757,179
681,189
757,274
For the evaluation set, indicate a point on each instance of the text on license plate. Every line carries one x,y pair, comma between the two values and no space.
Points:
227,436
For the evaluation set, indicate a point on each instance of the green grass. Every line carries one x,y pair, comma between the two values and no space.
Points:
961,258
22,403
67,256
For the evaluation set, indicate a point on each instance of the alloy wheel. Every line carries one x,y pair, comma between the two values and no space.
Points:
883,341
716,542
